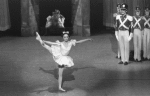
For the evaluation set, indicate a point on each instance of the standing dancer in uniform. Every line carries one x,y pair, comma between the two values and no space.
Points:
124,22
116,32
146,35
60,51
137,34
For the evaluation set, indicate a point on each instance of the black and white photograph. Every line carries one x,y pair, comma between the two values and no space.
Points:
74,47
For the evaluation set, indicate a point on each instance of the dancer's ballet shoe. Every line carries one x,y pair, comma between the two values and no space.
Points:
61,89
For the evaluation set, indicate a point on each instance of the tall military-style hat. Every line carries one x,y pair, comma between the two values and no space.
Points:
118,5
147,9
124,6
137,9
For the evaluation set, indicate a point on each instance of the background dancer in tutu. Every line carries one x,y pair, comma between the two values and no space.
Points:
60,51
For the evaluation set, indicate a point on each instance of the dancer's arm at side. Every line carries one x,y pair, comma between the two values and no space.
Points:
84,40
48,23
131,29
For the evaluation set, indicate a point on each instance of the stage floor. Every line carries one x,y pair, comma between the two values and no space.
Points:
27,69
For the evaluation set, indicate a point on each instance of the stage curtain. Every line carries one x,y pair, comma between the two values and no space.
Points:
29,13
86,17
81,17
74,9
109,7
35,4
77,26
32,18
4,15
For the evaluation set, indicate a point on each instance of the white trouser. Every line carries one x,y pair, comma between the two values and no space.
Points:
124,45
119,53
137,41
146,45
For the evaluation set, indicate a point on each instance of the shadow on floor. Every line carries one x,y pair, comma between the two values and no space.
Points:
53,90
67,76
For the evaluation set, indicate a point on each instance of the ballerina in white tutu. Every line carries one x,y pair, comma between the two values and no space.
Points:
60,51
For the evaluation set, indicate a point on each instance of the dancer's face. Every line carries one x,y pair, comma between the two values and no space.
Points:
138,13
123,12
65,37
118,9
147,13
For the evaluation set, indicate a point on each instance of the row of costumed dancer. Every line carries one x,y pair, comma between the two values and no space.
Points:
128,27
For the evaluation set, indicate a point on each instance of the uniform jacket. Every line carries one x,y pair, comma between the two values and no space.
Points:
138,22
124,22
146,21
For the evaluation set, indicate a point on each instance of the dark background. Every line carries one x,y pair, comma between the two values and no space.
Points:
96,16
46,7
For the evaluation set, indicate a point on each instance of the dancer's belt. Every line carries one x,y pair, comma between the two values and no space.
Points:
123,29
146,28
137,27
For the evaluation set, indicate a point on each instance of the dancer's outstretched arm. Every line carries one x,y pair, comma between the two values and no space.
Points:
84,40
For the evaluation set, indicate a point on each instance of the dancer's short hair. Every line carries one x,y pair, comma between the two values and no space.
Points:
65,32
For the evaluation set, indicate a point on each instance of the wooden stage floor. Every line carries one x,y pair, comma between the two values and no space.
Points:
27,69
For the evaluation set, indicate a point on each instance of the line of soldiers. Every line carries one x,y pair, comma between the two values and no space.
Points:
128,27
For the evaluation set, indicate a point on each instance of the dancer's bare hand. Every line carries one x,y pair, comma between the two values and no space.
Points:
130,37
116,34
